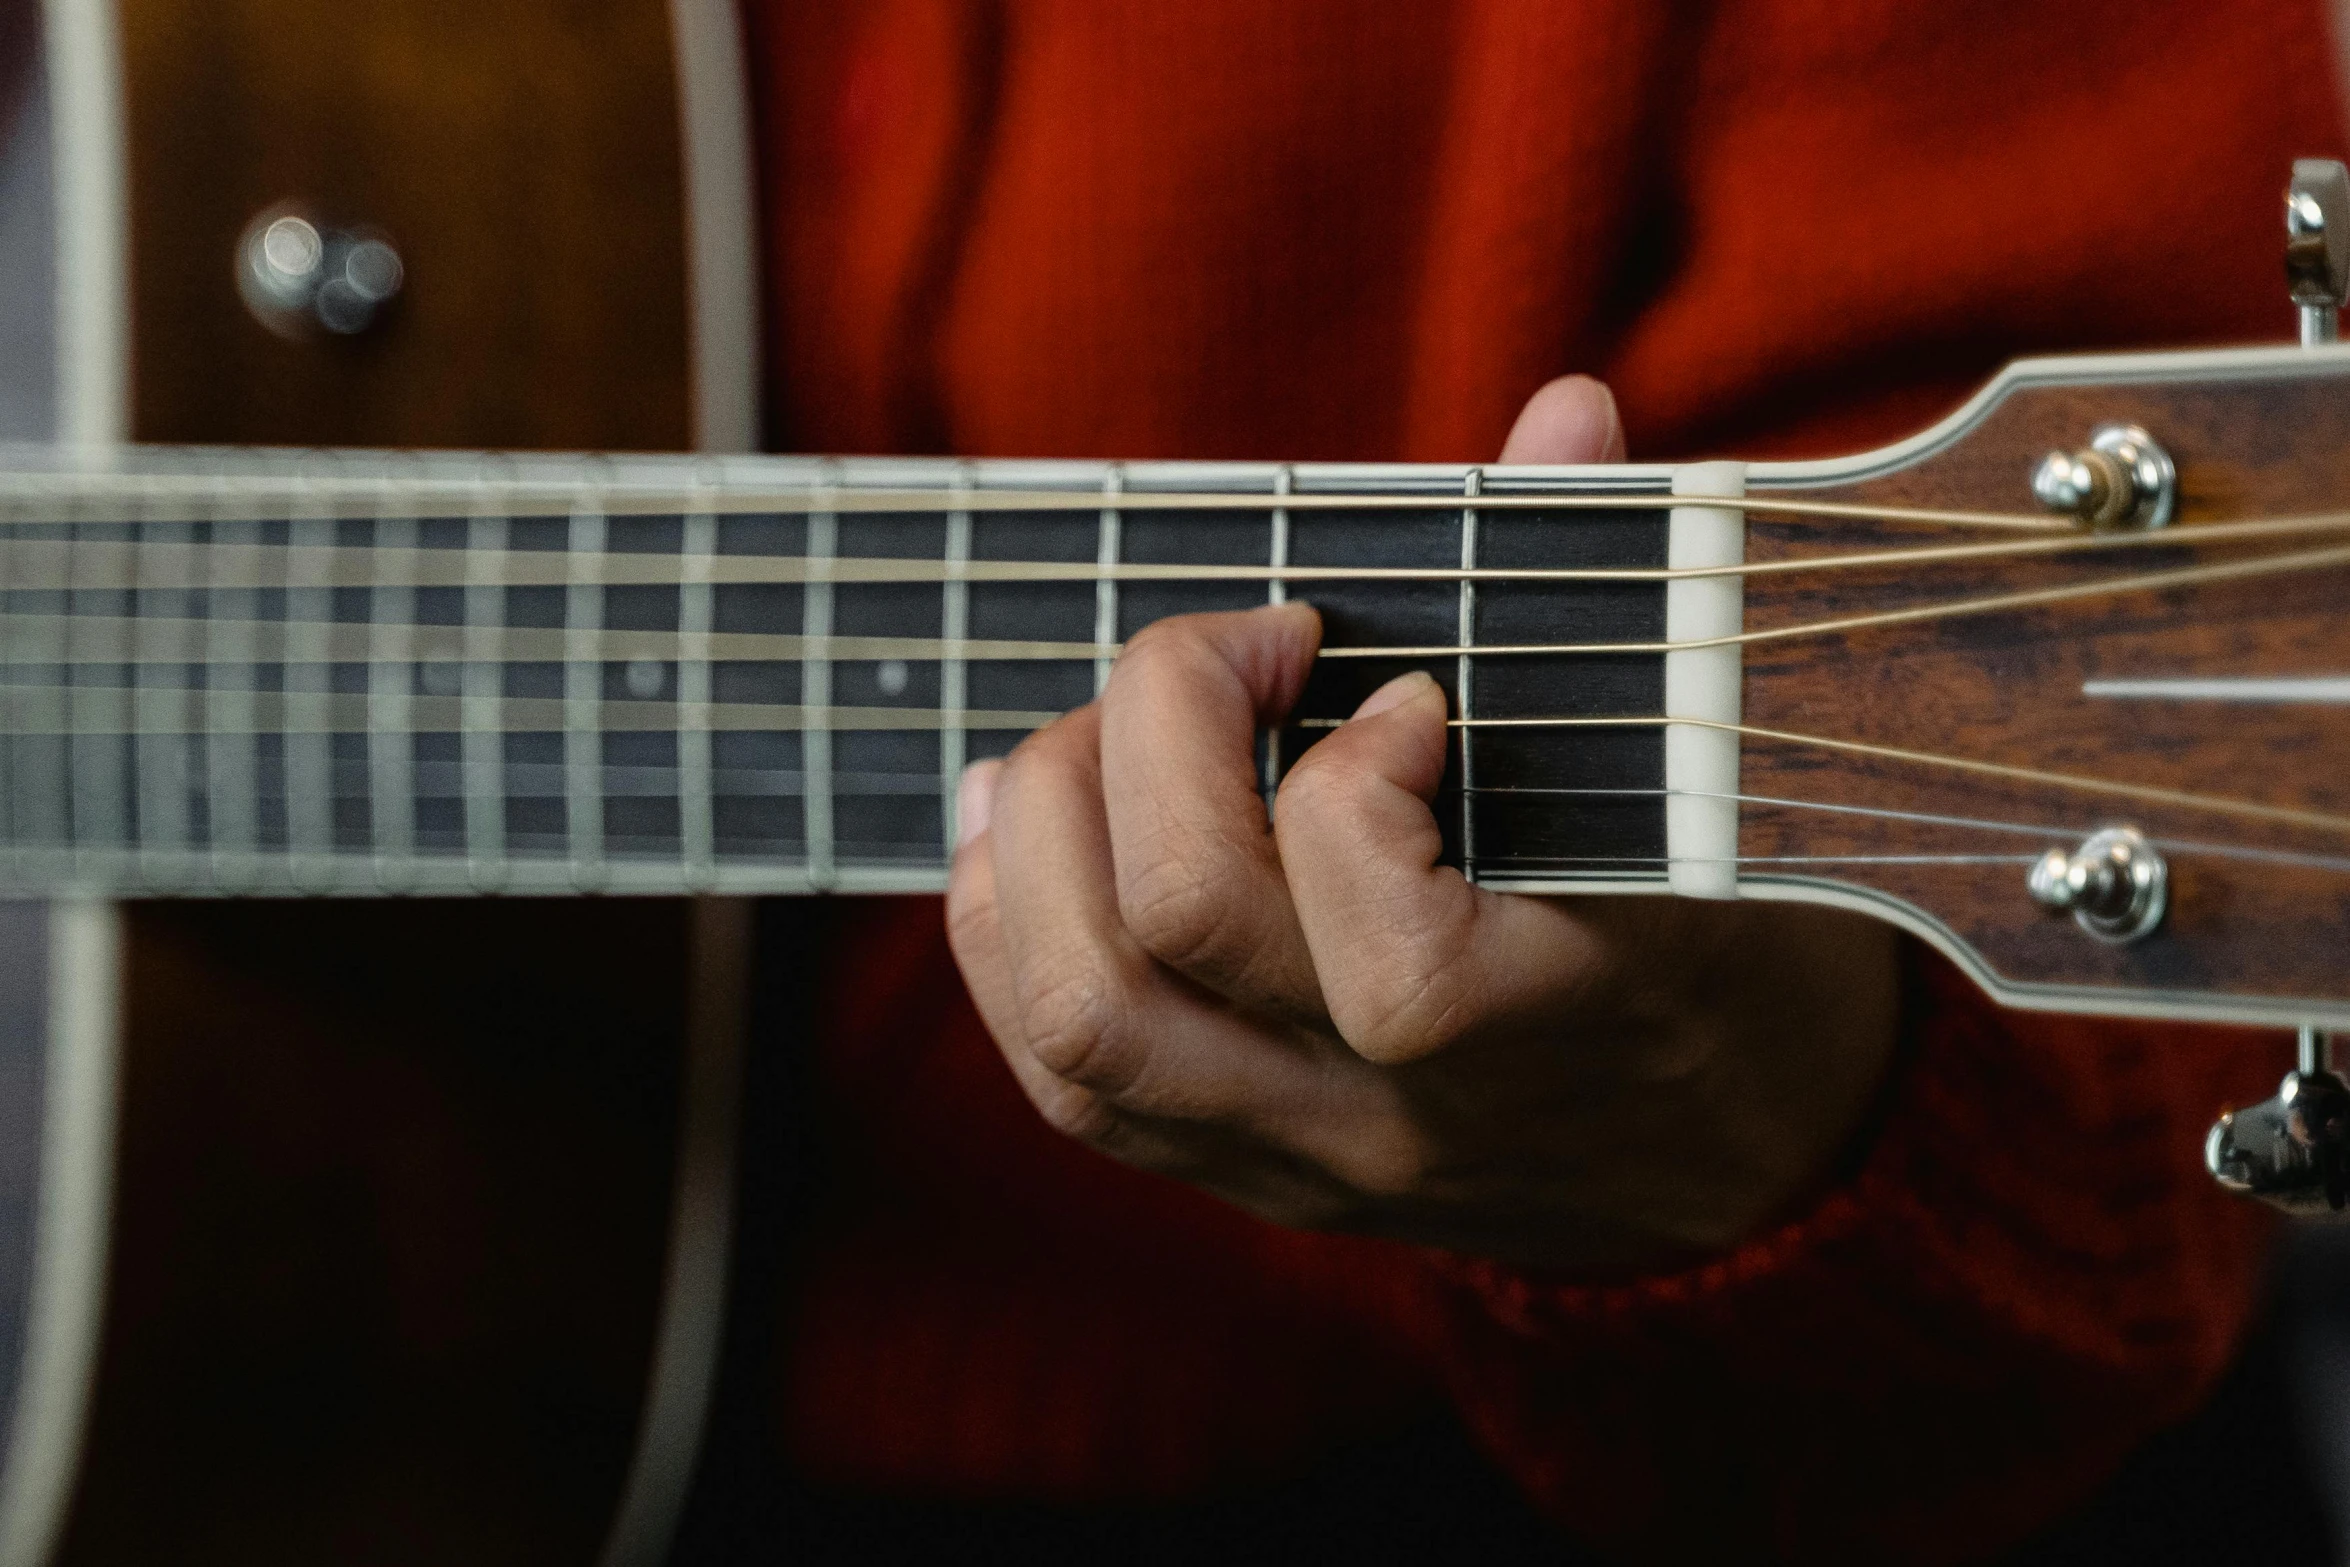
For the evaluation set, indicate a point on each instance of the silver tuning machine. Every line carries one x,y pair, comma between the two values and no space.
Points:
300,278
2121,479
2317,246
2291,1151
2115,885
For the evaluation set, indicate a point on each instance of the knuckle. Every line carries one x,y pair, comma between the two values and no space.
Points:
1140,660
1410,1004
1319,784
1071,1014
1171,655
1174,638
1074,1111
1176,910
1054,747
1037,753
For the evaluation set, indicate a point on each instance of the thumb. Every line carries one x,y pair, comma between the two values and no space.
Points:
1573,419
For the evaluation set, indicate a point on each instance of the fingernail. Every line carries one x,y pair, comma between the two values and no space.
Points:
1402,689
975,800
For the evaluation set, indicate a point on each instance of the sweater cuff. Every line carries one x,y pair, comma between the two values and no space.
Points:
2027,1245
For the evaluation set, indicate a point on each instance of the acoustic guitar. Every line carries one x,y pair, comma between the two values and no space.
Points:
381,822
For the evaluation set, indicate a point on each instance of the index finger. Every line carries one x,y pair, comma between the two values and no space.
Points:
1199,881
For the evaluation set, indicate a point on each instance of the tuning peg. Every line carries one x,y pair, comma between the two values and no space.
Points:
2291,1151
2115,885
2121,479
299,278
2317,246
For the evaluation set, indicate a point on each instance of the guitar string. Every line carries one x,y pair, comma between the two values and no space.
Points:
112,563
760,715
2046,834
268,712
2141,582
202,499
767,717
1926,818
1757,859
648,782
935,648
2152,794
663,847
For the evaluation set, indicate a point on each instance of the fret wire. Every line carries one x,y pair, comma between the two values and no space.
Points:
1465,676
823,544
953,671
1277,592
16,751
231,773
1105,590
54,819
159,762
583,692
391,691
481,682
306,751
99,808
696,847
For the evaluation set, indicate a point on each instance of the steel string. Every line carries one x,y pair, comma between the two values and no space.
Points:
525,500
935,648
106,563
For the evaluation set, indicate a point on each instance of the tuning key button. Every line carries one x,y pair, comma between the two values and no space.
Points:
2317,246
2121,479
299,278
2292,1151
2116,886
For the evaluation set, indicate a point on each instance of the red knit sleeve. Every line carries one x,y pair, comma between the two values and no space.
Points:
2028,1274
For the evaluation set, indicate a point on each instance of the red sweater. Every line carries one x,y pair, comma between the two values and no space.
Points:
1344,229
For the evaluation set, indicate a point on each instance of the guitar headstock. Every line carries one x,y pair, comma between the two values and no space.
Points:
2105,761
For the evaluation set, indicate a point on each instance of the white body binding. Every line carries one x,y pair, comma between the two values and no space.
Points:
88,380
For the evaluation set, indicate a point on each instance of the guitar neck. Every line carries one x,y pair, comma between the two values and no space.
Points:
362,674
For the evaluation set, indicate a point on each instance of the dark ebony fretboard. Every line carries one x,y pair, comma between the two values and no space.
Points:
365,673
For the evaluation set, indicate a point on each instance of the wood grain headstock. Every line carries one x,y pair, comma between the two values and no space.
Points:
2190,682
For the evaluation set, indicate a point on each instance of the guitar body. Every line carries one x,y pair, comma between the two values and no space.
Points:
388,1231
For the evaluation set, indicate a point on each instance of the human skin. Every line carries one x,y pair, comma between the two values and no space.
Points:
1310,1017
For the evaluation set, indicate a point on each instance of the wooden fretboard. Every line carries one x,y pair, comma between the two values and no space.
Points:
368,673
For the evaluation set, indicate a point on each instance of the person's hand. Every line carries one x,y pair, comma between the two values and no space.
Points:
1315,1020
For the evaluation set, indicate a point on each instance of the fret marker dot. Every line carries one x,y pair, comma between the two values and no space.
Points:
891,677
644,677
